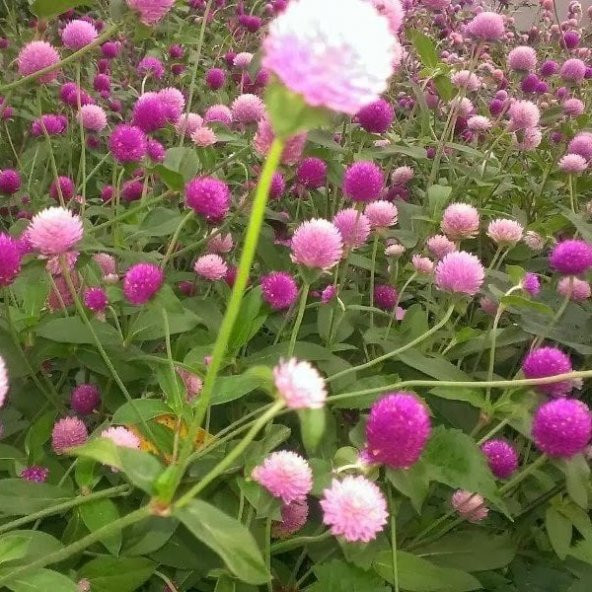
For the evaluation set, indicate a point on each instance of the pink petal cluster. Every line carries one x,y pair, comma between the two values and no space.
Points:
299,385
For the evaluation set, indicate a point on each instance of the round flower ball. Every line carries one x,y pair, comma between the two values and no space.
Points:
55,231
128,143
215,78
78,33
397,430
548,361
317,244
151,11
573,70
574,288
363,181
247,108
460,221
505,232
581,144
35,56
337,54
487,26
376,117
562,428
470,506
121,436
502,458
381,213
67,433
96,299
286,475
385,297
10,181
208,197
211,267
93,118
572,164
85,398
141,282
279,290
294,517
353,226
299,385
150,113
354,509
522,59
312,173
10,260
460,272
571,257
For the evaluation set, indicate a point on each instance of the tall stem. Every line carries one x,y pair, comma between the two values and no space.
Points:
372,275
498,314
393,512
296,329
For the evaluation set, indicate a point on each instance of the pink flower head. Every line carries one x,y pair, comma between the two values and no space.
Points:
460,221
49,124
393,11
67,433
573,107
150,113
381,214
528,139
571,257
440,245
548,361
354,509
479,123
317,244
35,474
533,240
218,114
247,108
385,297
55,231
376,117
523,115
581,144
141,282
265,136
470,506
423,265
460,273
35,56
173,101
151,66
502,458
572,164
10,260
353,226
211,267
121,436
574,288
337,54
467,80
294,517
286,475
487,26
151,11
397,430
279,290
85,398
299,384
312,173
208,197
10,180
192,383
573,70
188,123
562,427
505,232
78,33
93,118
204,136
215,78
363,181
220,243
4,382
522,59
107,263
402,175
128,143
242,60
531,284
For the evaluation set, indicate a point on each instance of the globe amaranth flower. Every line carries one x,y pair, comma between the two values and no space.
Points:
531,284
211,267
85,399
218,114
279,290
204,136
93,118
363,181
385,297
505,232
141,282
4,382
440,245
422,265
220,243
294,517
55,231
381,213
522,58
572,164
96,299
121,436
35,474
286,475
402,175
10,260
354,509
533,240
78,33
150,113
528,139
573,70
574,288
151,11
265,136
479,123
188,123
192,383
524,115
215,78
397,430
312,173
548,361
278,186
376,117
299,384
487,26
470,506
127,143
49,124
460,273
247,108
467,80
173,101
573,107
337,54
392,10
571,257
10,181
581,144
67,433
63,187
502,458
353,226
562,428
208,197
35,56
460,221
150,66
317,244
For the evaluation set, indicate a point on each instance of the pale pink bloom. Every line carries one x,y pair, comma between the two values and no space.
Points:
460,221
151,11
193,383
35,56
573,164
220,243
528,139
54,265
395,250
523,115
353,226
317,244
463,106
203,137
121,436
470,506
533,240
466,79
264,137
460,273
93,118
505,232
211,267
54,231
402,175
574,288
299,384
440,245
479,123
422,265
381,213
188,123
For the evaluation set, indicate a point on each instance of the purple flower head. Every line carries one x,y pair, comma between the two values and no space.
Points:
502,458
581,144
35,474
376,117
571,257
385,297
95,299
64,186
68,432
128,143
548,361
573,70
531,284
487,26
549,67
312,173
110,49
85,398
571,39
150,113
278,186
141,282
279,290
363,181
10,259
208,197
53,125
151,66
530,83
10,181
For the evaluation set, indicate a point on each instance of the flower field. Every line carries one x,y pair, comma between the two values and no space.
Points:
295,296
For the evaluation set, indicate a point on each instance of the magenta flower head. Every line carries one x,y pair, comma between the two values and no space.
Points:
62,185
10,181
363,181
173,102
548,361
460,273
353,226
337,54
381,213
215,78
151,11
549,67
571,257
49,124
150,66
10,260
502,458
4,382
299,385
150,112
312,173
487,26
562,428
317,244
78,33
208,197
93,118
218,114
141,282
278,186
247,108
35,474
581,144
522,59
354,509
55,231
531,284
210,267
385,297
286,475
573,70
67,433
470,506
96,299
279,290
85,398
397,430
294,517
128,143
35,56
460,221
376,117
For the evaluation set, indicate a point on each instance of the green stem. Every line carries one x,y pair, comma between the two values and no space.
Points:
299,542
296,329
393,511
537,464
498,314
175,237
268,552
372,275
393,315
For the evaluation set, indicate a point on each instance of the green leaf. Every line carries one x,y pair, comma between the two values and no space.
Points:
73,330
438,196
471,396
159,222
41,580
424,46
147,409
559,530
339,576
230,388
577,479
251,320
183,161
520,303
108,574
412,483
13,548
149,535
98,514
39,543
419,575
312,427
228,538
49,8
19,497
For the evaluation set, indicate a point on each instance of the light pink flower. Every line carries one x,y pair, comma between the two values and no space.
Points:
211,267
151,11
4,383
460,273
460,221
121,436
574,287
505,232
299,384
317,244
353,226
470,506
54,231
381,213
